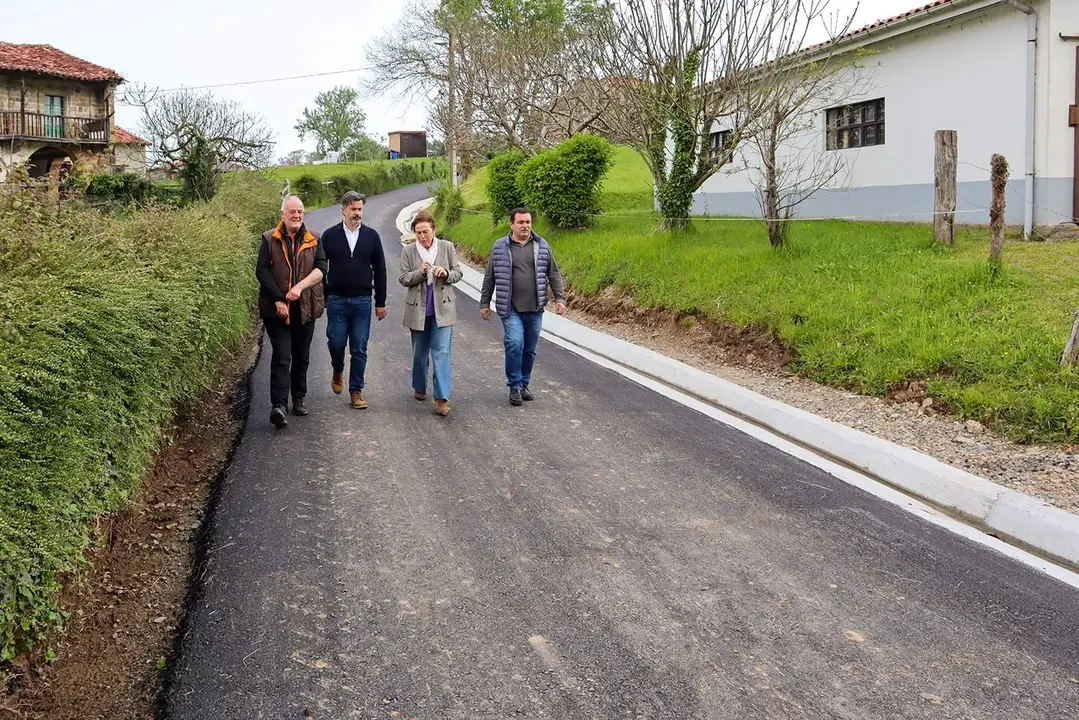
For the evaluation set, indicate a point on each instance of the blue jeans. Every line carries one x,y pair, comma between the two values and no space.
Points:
438,343
520,336
348,321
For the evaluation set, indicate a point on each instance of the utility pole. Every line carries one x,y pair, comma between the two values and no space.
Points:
451,125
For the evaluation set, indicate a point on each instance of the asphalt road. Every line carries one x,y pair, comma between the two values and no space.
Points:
602,552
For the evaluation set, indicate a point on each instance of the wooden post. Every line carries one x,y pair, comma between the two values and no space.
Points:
999,179
1071,350
946,160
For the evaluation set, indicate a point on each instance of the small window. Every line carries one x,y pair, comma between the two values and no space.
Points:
716,142
855,126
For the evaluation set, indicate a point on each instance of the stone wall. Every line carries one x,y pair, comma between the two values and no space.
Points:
80,99
15,154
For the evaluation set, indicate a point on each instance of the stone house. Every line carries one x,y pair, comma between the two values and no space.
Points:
54,106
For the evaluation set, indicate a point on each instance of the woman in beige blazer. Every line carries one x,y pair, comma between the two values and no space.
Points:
429,268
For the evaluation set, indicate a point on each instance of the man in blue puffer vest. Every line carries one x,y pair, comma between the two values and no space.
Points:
523,270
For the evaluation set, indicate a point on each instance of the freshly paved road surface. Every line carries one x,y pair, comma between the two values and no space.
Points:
602,552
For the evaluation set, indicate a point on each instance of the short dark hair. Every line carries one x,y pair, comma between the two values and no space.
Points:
352,196
518,211
423,216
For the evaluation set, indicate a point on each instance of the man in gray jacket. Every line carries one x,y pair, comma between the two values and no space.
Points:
522,268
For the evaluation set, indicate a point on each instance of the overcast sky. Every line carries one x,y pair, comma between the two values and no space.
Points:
204,42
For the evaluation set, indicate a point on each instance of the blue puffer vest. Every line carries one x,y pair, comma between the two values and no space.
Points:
541,251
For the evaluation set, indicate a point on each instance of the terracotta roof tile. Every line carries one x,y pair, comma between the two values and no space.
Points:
47,60
881,24
903,16
123,137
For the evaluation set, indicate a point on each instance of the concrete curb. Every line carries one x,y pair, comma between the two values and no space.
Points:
1013,516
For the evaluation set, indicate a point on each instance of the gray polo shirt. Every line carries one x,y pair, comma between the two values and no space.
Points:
525,296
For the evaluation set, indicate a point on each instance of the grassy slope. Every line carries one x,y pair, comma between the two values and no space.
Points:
866,305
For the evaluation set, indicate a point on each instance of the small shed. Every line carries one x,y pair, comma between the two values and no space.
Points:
408,144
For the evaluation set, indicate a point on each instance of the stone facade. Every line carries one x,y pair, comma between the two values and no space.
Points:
83,100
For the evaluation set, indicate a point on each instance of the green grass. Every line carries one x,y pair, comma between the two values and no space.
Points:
865,305
329,170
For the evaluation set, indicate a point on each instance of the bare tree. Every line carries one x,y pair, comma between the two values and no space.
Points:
675,68
783,101
417,59
173,121
500,73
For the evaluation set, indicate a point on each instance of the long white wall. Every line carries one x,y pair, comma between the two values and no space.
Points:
967,74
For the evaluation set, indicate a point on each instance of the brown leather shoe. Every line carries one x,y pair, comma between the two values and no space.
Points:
338,383
357,400
442,407
419,396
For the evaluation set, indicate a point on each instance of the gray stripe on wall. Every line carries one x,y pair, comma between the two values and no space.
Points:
907,203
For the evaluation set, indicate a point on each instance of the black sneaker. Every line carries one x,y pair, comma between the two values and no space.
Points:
298,408
526,394
515,396
277,417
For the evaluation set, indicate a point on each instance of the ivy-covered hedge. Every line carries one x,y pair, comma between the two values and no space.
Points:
107,321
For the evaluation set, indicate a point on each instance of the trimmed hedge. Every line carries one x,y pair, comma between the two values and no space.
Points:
374,179
108,323
563,182
502,189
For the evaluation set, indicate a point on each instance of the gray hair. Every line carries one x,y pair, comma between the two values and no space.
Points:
352,196
284,200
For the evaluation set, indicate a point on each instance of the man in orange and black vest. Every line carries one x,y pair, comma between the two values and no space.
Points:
290,269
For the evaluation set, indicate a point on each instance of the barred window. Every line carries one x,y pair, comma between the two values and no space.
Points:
716,142
855,126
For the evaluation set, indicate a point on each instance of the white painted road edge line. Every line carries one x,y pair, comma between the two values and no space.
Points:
1011,514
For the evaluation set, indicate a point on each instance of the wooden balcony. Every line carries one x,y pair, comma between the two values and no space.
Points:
54,128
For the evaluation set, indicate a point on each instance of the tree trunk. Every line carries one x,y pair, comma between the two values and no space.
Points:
999,167
676,192
946,157
777,226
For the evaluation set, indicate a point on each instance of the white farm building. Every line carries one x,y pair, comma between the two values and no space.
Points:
1004,74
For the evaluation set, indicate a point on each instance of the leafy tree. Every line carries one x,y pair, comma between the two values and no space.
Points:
335,121
200,175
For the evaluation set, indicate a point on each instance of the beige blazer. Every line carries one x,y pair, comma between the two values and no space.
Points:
416,282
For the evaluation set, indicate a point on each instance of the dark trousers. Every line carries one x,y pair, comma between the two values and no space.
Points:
291,345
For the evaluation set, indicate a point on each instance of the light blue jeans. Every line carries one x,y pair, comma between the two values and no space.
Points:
436,342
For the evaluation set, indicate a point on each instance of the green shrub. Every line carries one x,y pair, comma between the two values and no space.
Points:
311,190
122,187
563,183
502,189
448,202
108,323
341,184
